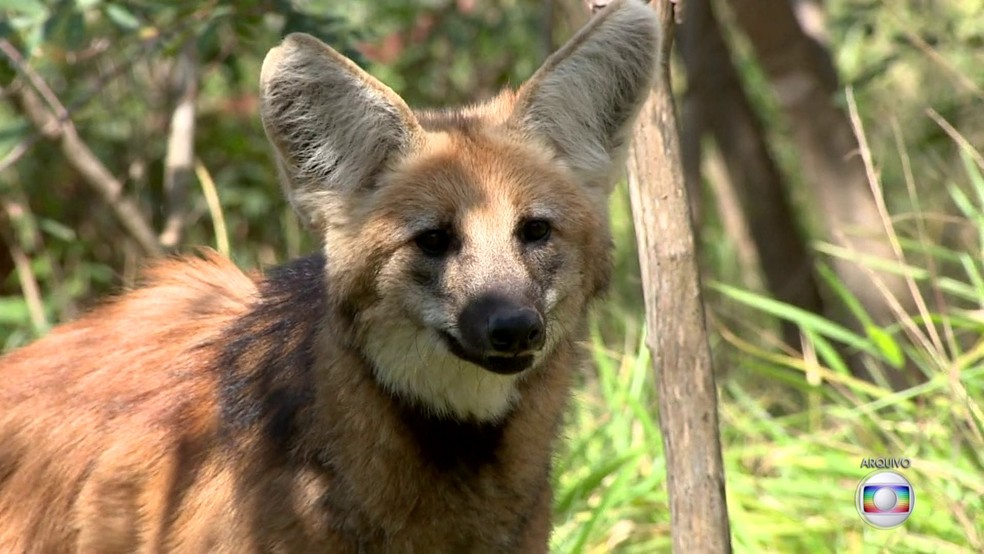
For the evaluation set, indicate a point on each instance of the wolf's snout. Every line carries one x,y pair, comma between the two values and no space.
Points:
511,331
496,325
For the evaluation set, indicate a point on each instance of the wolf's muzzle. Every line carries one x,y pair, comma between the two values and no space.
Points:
499,333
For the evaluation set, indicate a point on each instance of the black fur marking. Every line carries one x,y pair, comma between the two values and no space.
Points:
266,365
551,264
462,447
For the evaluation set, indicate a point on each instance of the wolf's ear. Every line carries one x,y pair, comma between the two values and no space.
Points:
333,125
585,98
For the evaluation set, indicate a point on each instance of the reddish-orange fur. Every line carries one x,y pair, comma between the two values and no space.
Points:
74,412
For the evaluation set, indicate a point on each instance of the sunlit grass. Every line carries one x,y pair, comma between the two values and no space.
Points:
796,427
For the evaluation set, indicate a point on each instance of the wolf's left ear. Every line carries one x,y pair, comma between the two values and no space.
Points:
585,98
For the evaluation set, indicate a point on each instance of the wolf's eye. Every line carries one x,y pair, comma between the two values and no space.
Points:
434,242
535,230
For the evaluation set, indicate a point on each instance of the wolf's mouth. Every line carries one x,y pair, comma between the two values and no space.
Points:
503,365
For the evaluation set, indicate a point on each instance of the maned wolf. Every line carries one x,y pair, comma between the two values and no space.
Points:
400,392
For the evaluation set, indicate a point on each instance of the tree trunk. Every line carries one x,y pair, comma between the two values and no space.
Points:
677,336
805,83
716,103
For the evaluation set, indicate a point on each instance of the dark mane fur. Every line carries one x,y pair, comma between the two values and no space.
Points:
265,369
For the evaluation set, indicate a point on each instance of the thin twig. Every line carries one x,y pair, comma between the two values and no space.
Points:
80,156
28,235
937,58
879,196
957,137
22,265
922,234
25,145
29,287
20,64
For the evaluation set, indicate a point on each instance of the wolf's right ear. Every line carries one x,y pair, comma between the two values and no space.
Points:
333,125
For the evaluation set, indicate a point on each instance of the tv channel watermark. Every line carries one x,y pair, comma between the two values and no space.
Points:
885,499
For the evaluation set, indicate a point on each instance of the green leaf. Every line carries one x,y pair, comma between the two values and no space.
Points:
963,202
974,173
13,310
33,8
122,16
844,293
885,342
66,27
57,229
807,320
828,354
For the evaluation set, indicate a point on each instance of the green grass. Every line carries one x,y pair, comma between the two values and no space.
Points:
795,428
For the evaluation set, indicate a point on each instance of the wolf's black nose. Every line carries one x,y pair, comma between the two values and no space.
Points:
512,331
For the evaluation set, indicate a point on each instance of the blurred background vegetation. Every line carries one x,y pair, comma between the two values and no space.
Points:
129,129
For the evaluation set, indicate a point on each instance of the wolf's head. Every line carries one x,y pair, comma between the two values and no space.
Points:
464,245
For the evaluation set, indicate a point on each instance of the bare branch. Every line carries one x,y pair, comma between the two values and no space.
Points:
36,81
104,79
60,127
178,164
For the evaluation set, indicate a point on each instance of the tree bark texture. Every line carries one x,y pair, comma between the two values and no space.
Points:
805,83
180,159
715,103
677,336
